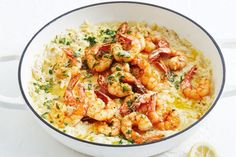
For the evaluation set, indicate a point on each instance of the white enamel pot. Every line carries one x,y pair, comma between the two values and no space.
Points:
117,11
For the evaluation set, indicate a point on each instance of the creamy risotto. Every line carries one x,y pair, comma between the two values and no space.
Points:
121,83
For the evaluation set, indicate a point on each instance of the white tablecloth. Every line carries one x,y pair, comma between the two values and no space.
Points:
19,134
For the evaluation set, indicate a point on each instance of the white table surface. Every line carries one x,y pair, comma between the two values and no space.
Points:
21,136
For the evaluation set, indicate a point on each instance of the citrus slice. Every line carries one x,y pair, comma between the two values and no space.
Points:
202,149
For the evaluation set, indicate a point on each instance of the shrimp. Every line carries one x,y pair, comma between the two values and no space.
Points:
202,89
135,102
69,98
169,121
160,42
121,55
141,40
148,76
102,108
120,67
127,104
69,54
143,124
120,84
56,115
109,128
132,43
162,117
153,43
99,58
167,60
74,98
149,46
175,60
135,119
123,28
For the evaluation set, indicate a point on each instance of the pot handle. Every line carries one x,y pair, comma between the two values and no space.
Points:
229,91
6,101
230,46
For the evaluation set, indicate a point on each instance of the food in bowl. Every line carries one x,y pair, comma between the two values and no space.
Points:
121,83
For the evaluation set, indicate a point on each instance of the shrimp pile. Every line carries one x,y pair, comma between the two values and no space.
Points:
123,82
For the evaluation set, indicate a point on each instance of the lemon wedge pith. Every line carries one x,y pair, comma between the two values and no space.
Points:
202,149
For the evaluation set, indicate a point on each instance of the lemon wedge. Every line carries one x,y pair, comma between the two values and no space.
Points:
202,149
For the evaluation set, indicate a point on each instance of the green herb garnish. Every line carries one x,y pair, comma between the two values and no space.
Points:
110,78
44,114
128,131
50,71
171,76
129,103
120,142
77,54
125,54
64,41
92,40
89,86
125,88
177,84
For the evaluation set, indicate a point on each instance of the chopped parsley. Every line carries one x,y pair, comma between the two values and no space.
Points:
129,103
50,71
57,106
65,74
64,41
121,136
92,40
118,69
122,77
67,64
120,142
130,140
177,84
89,86
88,75
125,54
110,32
181,78
46,87
108,35
77,53
129,32
118,74
110,78
128,131
48,104
44,114
107,56
125,88
171,76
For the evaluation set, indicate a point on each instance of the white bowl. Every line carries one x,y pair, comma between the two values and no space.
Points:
122,11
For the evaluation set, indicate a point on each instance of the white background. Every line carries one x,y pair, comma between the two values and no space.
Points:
19,134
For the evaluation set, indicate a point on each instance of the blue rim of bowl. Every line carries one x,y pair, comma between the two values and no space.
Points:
131,145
